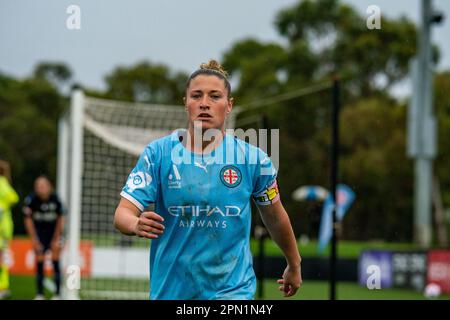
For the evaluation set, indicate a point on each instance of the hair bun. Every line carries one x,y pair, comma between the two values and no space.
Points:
215,66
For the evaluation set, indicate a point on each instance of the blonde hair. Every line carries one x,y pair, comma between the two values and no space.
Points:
214,65
212,68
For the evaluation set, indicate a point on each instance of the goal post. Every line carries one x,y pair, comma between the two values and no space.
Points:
70,166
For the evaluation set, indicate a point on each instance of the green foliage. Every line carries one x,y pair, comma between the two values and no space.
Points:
29,112
442,109
256,67
324,38
342,44
146,82
53,72
374,164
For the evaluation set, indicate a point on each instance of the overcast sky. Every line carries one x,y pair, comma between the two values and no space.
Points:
180,33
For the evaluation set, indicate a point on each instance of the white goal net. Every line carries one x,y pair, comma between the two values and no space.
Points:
99,143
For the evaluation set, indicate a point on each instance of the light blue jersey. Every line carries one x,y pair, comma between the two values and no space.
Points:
204,252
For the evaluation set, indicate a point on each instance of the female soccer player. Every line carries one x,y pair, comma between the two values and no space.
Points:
202,188
44,223
8,198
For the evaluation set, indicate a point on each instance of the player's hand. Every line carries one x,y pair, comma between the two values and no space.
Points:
149,225
292,280
55,244
37,246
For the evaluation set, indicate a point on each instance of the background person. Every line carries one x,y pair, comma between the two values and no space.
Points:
8,198
44,224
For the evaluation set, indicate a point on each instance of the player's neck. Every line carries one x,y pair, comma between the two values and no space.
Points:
198,142
44,197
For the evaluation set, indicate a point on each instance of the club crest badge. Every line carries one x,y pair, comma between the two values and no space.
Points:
230,176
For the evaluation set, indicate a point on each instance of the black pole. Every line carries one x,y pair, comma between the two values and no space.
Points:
334,175
261,231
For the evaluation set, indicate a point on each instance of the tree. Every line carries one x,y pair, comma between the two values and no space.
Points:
29,112
256,67
324,38
374,164
369,60
146,82
442,107
56,73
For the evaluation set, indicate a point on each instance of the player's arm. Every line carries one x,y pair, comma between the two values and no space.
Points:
8,194
58,229
31,230
279,226
129,220
59,224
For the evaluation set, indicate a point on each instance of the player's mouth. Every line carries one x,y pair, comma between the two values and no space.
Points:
204,116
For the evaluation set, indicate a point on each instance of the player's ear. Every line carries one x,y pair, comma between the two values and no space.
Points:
230,105
184,102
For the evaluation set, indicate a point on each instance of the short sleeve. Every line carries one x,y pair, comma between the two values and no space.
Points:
27,211
8,195
265,191
142,183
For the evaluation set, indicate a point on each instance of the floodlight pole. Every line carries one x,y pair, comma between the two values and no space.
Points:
334,176
422,127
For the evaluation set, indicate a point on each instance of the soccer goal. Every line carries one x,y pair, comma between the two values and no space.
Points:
99,143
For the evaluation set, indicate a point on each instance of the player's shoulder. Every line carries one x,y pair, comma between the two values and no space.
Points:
249,150
3,183
30,199
54,197
157,146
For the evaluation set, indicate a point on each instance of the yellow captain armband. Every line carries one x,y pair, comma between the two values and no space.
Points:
269,195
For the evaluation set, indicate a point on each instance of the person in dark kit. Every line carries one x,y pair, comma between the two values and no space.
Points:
44,223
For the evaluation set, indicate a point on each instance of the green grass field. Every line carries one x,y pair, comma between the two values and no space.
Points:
345,249
23,288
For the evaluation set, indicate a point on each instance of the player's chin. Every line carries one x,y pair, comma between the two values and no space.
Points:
209,124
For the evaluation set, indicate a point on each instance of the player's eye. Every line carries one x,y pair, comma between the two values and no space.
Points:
195,96
215,96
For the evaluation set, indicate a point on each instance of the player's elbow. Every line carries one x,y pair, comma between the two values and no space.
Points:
121,221
116,220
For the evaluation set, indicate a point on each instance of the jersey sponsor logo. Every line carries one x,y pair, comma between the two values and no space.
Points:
45,216
203,216
174,178
48,206
203,224
197,211
230,176
138,180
